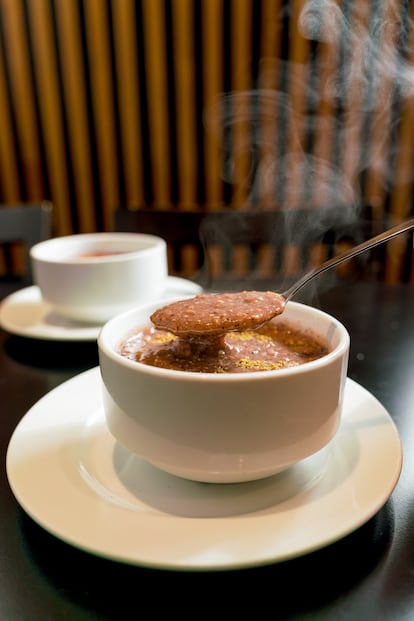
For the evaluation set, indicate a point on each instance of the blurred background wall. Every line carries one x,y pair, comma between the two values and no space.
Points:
205,104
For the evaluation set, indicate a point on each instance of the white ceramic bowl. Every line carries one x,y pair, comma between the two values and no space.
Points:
96,288
224,428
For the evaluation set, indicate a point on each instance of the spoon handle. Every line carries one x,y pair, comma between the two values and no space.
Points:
407,225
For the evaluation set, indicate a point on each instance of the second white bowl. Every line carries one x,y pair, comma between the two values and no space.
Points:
93,277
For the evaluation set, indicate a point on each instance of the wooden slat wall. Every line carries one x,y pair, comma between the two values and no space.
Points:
200,104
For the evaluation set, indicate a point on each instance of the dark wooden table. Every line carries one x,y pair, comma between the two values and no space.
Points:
369,575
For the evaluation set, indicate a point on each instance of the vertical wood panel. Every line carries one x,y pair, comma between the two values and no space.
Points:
298,85
185,100
326,124
212,67
46,75
156,68
380,116
24,97
126,55
353,90
9,175
241,56
401,199
103,93
75,108
268,103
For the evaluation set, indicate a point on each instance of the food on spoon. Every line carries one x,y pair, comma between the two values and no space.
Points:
214,314
223,333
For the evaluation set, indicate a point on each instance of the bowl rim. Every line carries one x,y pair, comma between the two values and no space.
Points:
154,244
105,349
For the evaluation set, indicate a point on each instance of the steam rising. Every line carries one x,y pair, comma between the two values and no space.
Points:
373,59
309,150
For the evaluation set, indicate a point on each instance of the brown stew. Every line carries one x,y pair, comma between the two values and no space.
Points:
275,345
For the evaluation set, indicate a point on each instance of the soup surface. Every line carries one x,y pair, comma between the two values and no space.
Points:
275,345
98,253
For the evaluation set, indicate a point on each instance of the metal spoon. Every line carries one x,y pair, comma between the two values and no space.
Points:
407,225
214,314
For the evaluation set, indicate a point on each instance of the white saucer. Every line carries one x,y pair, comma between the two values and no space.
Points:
24,313
69,474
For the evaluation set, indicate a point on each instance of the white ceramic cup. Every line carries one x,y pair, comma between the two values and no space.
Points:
93,277
224,428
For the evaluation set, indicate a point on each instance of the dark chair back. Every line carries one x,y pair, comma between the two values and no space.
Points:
21,227
229,249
